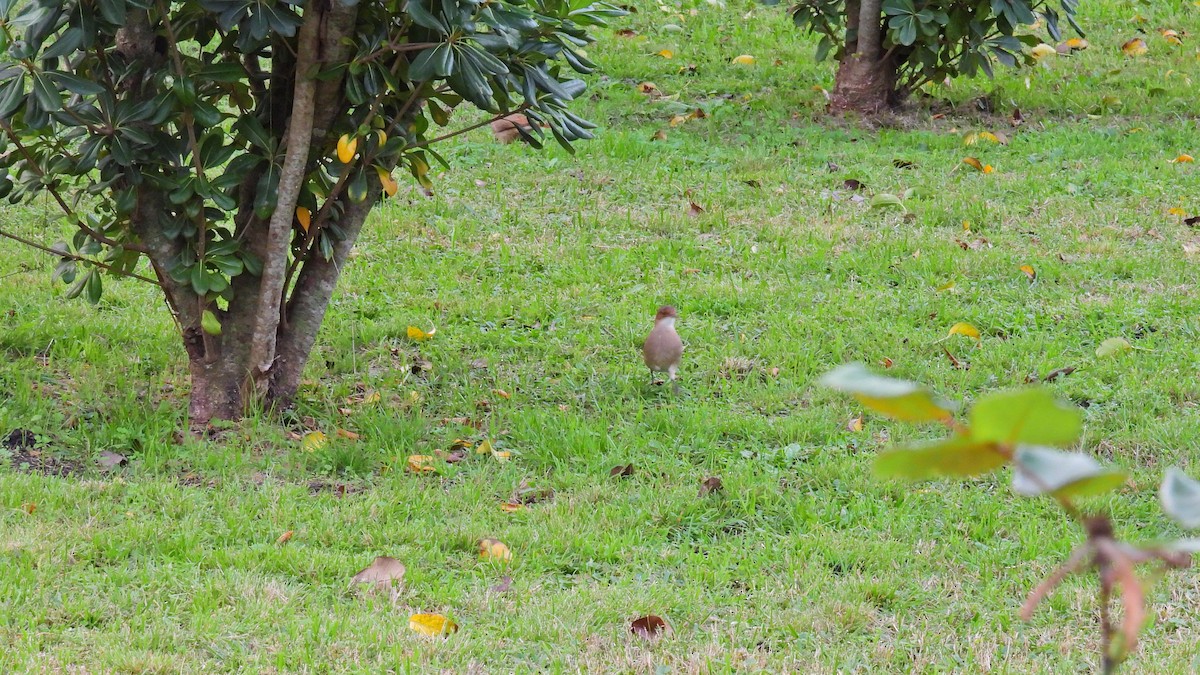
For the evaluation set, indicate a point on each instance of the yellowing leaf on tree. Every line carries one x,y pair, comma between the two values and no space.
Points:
382,137
313,441
667,54
494,549
432,625
965,329
420,463
1135,47
385,179
1183,159
743,60
304,216
1029,272
418,335
346,147
1043,50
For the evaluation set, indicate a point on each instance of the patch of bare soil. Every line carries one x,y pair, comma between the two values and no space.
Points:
21,448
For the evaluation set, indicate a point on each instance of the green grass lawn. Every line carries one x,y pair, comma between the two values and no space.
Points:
541,272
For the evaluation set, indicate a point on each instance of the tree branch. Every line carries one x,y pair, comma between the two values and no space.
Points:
72,256
291,181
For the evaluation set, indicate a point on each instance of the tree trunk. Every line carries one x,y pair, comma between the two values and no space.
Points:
866,77
864,86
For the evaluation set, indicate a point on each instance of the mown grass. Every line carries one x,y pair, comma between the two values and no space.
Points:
549,267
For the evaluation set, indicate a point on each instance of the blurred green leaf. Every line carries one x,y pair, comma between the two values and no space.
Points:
898,399
1039,470
1032,416
957,456
1180,498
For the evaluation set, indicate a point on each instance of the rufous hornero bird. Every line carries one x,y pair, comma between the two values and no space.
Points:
663,349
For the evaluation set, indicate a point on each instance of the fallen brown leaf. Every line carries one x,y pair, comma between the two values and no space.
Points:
649,627
710,485
110,460
505,129
1059,373
621,471
385,574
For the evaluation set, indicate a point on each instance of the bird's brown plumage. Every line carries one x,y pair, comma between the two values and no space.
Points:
663,349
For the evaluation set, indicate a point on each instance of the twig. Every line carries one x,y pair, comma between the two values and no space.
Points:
72,256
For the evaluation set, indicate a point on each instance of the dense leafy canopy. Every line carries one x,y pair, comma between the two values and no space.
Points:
104,102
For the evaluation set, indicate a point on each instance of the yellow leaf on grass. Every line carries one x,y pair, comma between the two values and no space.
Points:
1135,47
1077,43
419,335
420,463
1183,159
511,506
1172,36
313,440
965,329
502,455
1043,50
973,163
494,549
676,120
304,216
949,285
432,625
988,168
385,179
743,60
346,147
1176,211
484,448
1029,272
667,54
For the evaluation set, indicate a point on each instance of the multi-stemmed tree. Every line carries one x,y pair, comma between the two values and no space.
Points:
239,145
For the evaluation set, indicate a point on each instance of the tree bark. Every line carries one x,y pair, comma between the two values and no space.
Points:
866,77
864,86
310,298
291,180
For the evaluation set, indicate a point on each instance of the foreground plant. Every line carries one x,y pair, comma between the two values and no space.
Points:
239,146
1021,429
